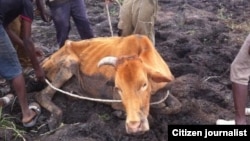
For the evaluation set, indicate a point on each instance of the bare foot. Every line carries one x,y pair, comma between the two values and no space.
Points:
31,114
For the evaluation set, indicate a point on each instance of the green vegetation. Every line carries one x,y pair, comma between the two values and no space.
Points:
104,117
6,123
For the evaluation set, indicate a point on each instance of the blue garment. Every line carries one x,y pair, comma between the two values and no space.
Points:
61,14
10,9
10,65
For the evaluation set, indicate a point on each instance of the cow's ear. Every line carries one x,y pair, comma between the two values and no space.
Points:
159,77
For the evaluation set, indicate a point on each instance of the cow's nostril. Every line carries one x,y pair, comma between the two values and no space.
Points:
134,125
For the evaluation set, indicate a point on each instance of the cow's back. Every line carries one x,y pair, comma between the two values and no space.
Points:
91,51
87,54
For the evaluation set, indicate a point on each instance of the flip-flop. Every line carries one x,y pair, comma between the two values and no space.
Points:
225,122
36,108
231,122
247,111
6,100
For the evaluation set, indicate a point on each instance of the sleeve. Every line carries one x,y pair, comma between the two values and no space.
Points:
27,12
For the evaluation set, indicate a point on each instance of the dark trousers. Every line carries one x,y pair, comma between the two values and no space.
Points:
61,14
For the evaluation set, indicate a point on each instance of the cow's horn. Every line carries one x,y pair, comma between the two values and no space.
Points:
109,60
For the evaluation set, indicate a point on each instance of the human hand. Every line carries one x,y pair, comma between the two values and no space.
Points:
46,16
40,76
40,55
39,52
44,11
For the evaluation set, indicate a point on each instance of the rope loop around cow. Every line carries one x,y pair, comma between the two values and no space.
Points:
99,100
162,100
80,97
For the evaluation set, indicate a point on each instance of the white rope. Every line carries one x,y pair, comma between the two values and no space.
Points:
96,99
160,101
109,19
80,97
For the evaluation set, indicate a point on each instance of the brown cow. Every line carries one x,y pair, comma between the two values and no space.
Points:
132,63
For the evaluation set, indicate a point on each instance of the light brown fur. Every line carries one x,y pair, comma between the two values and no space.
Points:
139,73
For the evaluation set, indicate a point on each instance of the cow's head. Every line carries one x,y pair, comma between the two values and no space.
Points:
133,81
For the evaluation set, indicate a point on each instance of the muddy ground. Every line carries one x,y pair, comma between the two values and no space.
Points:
197,38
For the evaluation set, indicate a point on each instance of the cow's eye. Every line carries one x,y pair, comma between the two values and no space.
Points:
144,87
118,90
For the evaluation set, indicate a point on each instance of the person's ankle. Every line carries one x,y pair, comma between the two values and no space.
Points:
240,121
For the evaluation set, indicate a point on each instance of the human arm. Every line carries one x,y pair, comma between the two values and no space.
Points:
30,49
13,31
249,50
45,15
15,38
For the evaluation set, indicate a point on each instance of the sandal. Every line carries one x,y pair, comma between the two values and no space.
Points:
6,100
37,109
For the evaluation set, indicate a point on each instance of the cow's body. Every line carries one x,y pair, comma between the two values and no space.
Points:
138,73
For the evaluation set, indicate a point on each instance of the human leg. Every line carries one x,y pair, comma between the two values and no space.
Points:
19,87
144,17
78,10
11,70
61,17
239,75
240,101
125,25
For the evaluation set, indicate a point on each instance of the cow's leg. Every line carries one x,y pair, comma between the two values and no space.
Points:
119,110
118,107
173,105
46,95
170,106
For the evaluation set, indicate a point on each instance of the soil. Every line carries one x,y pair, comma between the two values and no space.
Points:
197,38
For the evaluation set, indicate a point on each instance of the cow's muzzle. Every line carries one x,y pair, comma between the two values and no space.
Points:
137,127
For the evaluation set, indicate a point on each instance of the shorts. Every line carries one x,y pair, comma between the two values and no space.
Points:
10,65
240,67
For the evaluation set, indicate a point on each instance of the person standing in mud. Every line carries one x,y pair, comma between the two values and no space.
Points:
10,66
239,75
62,11
137,17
